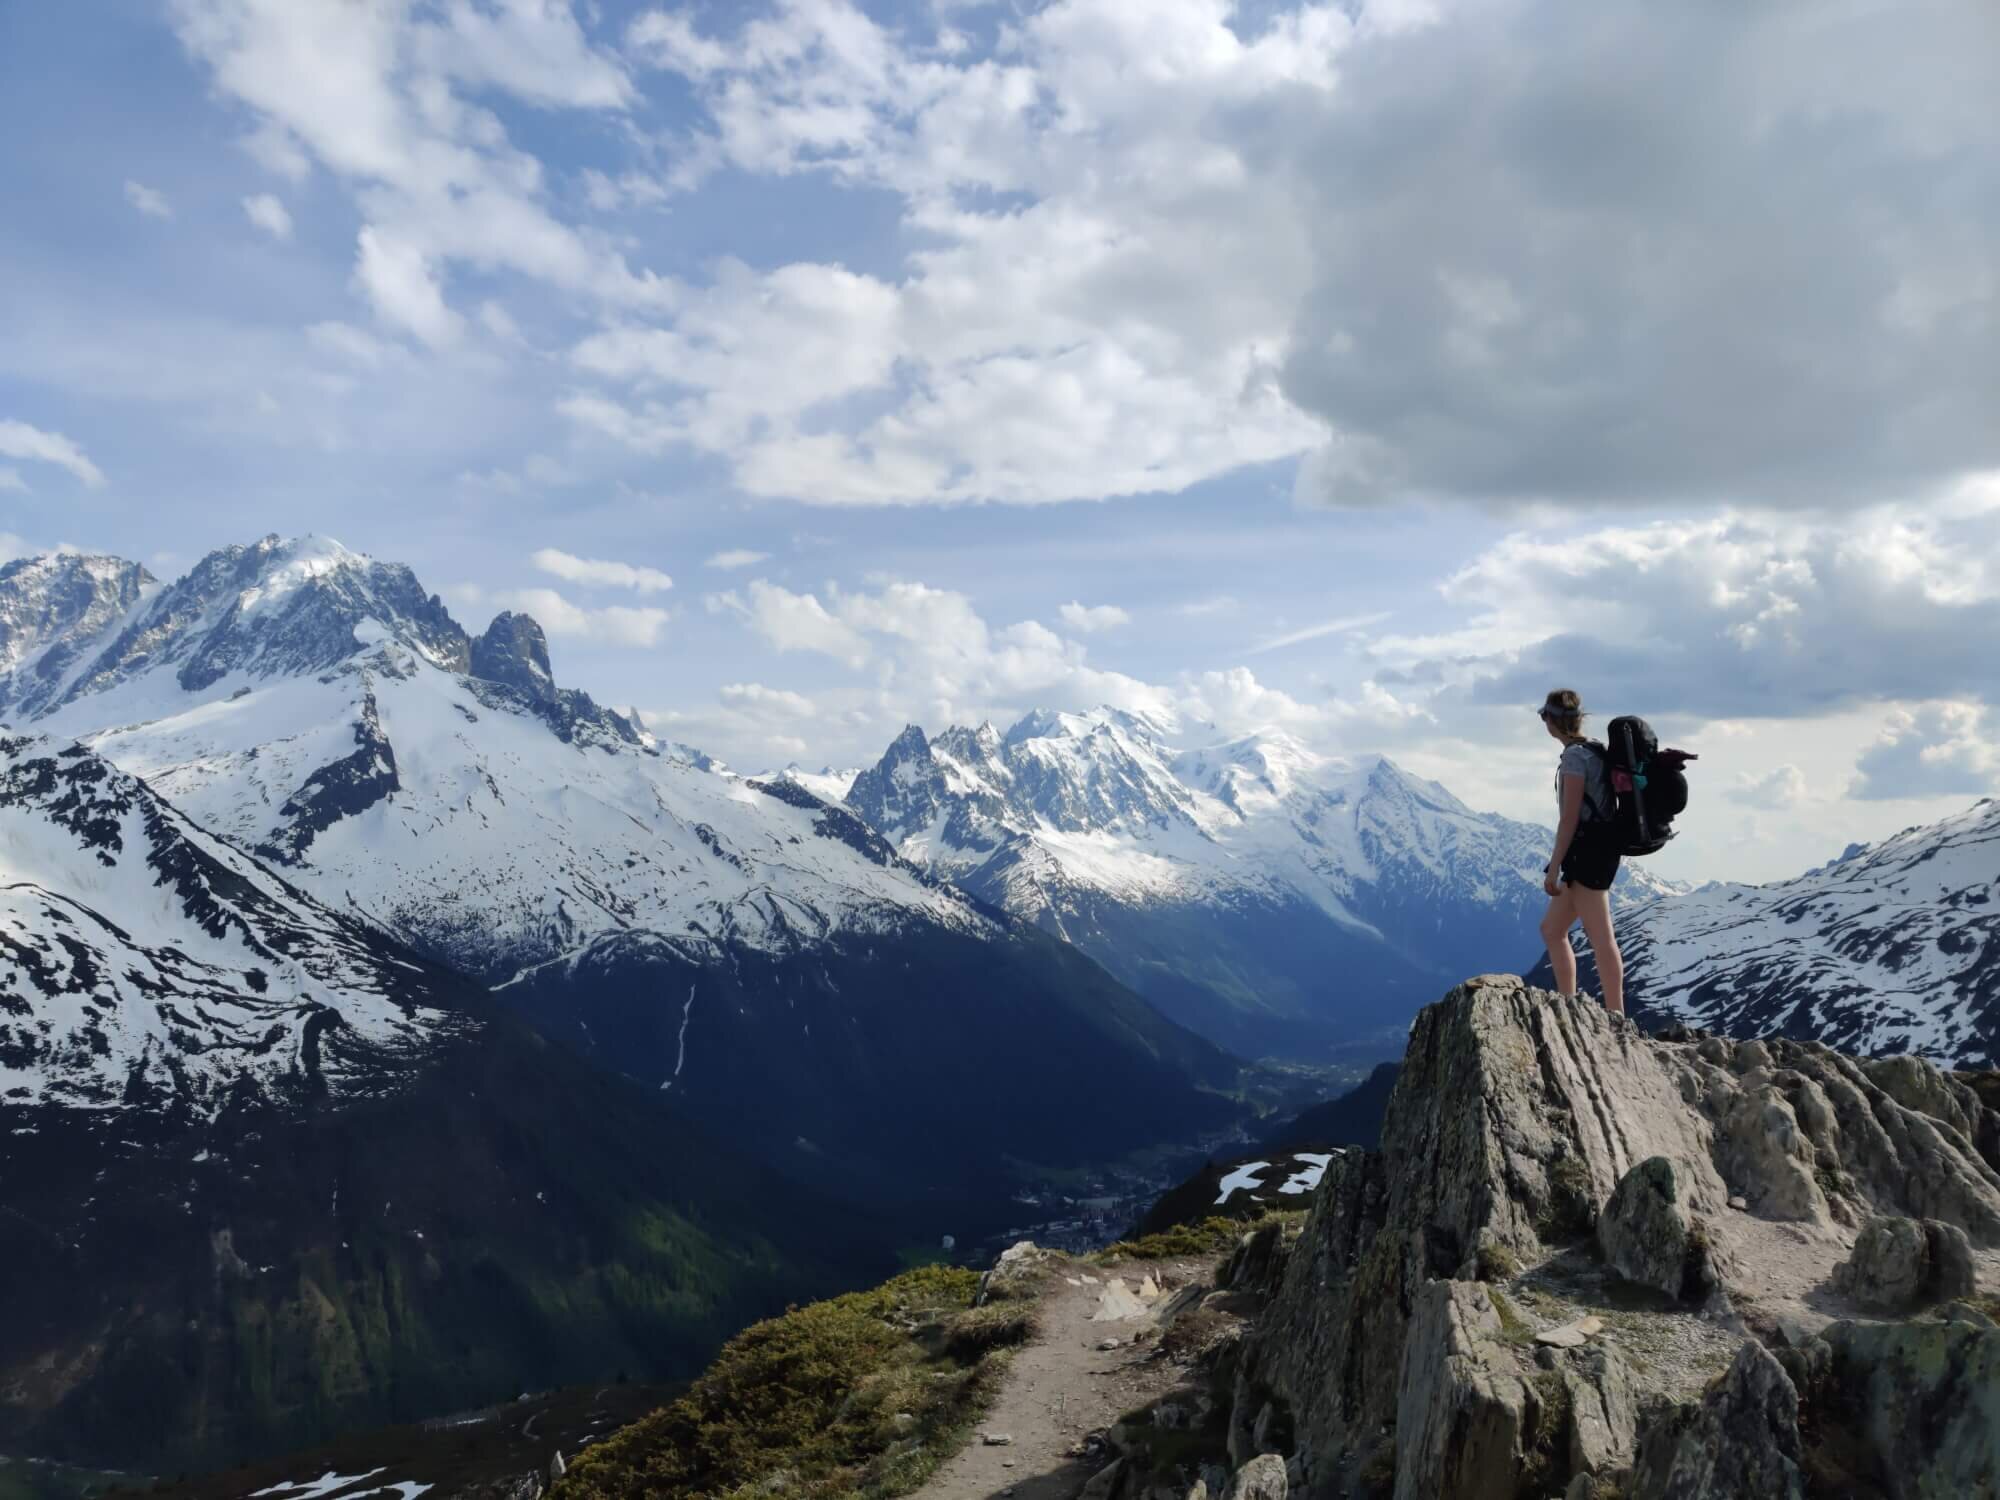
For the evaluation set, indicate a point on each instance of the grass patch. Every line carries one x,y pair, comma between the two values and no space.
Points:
1514,1328
1210,1236
862,1395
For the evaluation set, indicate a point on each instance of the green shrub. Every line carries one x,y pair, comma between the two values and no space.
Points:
858,1395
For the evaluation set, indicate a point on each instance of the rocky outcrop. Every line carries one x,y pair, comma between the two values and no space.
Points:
1900,1263
1667,1212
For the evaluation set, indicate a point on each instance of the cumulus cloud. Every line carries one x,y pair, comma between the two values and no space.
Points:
614,625
1779,788
269,214
149,201
1934,750
1599,292
19,440
1090,618
736,557
601,574
1733,616
381,96
782,700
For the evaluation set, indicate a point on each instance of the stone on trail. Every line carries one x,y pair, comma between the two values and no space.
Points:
1116,1304
996,1439
1263,1478
1573,1335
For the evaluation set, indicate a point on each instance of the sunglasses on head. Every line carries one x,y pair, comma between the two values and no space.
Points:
1546,712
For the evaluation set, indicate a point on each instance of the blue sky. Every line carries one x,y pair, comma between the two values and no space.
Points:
1355,370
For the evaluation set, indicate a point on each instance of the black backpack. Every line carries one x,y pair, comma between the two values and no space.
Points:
1649,789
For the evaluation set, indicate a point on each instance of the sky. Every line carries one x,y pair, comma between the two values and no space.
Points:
810,367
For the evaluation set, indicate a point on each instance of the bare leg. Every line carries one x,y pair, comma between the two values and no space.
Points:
1555,932
1594,909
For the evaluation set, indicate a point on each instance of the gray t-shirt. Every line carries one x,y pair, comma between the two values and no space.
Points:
1588,762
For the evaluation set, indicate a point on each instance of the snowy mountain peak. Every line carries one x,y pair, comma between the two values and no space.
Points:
51,608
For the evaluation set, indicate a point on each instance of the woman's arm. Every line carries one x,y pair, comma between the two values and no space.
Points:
1572,814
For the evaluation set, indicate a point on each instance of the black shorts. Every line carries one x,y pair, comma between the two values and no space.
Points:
1592,861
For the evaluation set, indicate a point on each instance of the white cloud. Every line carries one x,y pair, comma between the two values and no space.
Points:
19,440
616,625
269,214
10,479
399,281
1091,618
531,49
1942,749
794,622
736,557
149,201
1778,788
349,342
1732,617
600,574
783,700
1214,604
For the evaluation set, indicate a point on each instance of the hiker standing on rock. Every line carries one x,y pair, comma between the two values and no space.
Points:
1579,874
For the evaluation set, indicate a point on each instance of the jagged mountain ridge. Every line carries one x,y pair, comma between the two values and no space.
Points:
265,1173
1259,892
1892,948
444,788
145,962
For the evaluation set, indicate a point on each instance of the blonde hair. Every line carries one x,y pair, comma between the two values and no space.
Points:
1564,709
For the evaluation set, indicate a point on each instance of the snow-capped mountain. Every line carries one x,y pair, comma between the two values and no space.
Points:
1891,948
317,709
281,1174
1259,892
145,962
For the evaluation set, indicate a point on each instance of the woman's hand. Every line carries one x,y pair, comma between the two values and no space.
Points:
1552,880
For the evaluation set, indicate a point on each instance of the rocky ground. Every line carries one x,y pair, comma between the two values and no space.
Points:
1588,1263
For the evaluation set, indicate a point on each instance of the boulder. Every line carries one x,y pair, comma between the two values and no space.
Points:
1263,1478
1900,1263
1651,1235
1741,1440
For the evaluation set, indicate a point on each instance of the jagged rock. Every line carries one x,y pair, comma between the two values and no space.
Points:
1651,1235
1923,1397
1516,1118
1263,1478
1742,1440
1462,1408
1258,1262
513,650
1104,1483
1117,1303
1899,1263
1604,1410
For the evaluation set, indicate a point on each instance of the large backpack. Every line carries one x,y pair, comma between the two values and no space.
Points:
1648,787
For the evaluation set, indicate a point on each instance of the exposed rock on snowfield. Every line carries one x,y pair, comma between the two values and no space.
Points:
1259,892
760,955
1540,1158
1893,948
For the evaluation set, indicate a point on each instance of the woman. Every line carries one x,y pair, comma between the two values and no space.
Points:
1585,863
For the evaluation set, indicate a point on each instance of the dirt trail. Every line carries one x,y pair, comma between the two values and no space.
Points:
1061,1387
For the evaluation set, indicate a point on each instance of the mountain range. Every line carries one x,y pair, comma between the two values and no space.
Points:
385,1026
1892,948
1270,897
264,1171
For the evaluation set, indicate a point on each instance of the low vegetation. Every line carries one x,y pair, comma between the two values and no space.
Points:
861,1395
1210,1236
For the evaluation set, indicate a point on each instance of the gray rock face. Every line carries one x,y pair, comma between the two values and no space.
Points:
1462,1406
1651,1236
1534,1150
514,650
1926,1396
51,609
1263,1478
1899,1264
1743,1440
